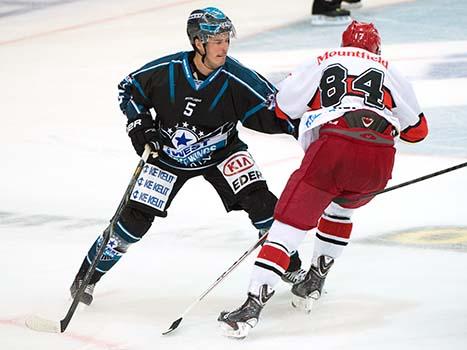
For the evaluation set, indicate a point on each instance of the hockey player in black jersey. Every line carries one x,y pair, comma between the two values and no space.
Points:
197,98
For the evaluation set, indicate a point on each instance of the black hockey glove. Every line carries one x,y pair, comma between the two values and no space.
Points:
142,131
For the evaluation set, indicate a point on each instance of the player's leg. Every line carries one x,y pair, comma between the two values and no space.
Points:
329,12
241,186
298,210
153,194
370,165
270,264
131,226
261,203
332,235
351,4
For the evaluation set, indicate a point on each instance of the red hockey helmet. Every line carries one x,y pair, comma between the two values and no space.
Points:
362,35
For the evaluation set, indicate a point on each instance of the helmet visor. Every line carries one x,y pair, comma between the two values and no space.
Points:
208,30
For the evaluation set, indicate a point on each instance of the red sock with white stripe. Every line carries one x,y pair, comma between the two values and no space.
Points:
274,256
332,236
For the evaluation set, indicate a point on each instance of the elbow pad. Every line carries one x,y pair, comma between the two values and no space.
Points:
415,133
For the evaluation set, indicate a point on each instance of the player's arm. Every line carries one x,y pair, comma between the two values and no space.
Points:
263,118
296,91
294,96
255,102
132,95
417,132
414,125
135,105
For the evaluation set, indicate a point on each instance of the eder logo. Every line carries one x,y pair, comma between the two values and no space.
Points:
237,164
240,171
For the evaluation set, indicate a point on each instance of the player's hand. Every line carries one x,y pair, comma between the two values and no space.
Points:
142,131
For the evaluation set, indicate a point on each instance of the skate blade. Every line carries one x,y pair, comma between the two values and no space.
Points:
303,304
40,324
240,333
320,20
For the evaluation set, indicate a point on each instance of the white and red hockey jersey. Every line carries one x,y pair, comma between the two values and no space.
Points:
346,79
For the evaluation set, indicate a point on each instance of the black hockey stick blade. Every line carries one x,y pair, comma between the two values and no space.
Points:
174,326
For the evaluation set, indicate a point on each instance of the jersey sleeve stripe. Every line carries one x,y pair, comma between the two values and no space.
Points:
252,111
244,84
154,67
138,86
171,83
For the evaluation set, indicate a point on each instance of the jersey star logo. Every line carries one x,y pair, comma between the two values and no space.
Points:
182,140
112,243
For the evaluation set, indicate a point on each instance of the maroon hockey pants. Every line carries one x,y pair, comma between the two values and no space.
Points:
335,166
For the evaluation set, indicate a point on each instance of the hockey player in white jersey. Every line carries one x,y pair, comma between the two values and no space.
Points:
353,104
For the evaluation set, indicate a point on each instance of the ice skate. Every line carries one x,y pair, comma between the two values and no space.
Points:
306,292
238,323
351,4
330,18
87,297
294,273
294,277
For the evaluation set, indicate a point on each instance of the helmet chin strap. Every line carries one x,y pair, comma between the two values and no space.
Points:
203,56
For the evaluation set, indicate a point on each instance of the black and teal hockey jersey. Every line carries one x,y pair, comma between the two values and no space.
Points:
197,120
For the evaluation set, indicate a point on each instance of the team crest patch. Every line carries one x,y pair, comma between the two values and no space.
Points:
240,170
367,121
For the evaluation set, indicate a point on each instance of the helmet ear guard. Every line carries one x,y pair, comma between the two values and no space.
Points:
362,35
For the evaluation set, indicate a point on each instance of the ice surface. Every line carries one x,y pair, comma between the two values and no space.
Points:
66,162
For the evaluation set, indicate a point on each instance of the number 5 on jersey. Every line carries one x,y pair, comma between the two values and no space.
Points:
189,108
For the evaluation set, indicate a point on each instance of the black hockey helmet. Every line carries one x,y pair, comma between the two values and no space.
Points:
207,22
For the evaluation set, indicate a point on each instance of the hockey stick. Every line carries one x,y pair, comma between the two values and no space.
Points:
177,322
44,325
392,188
